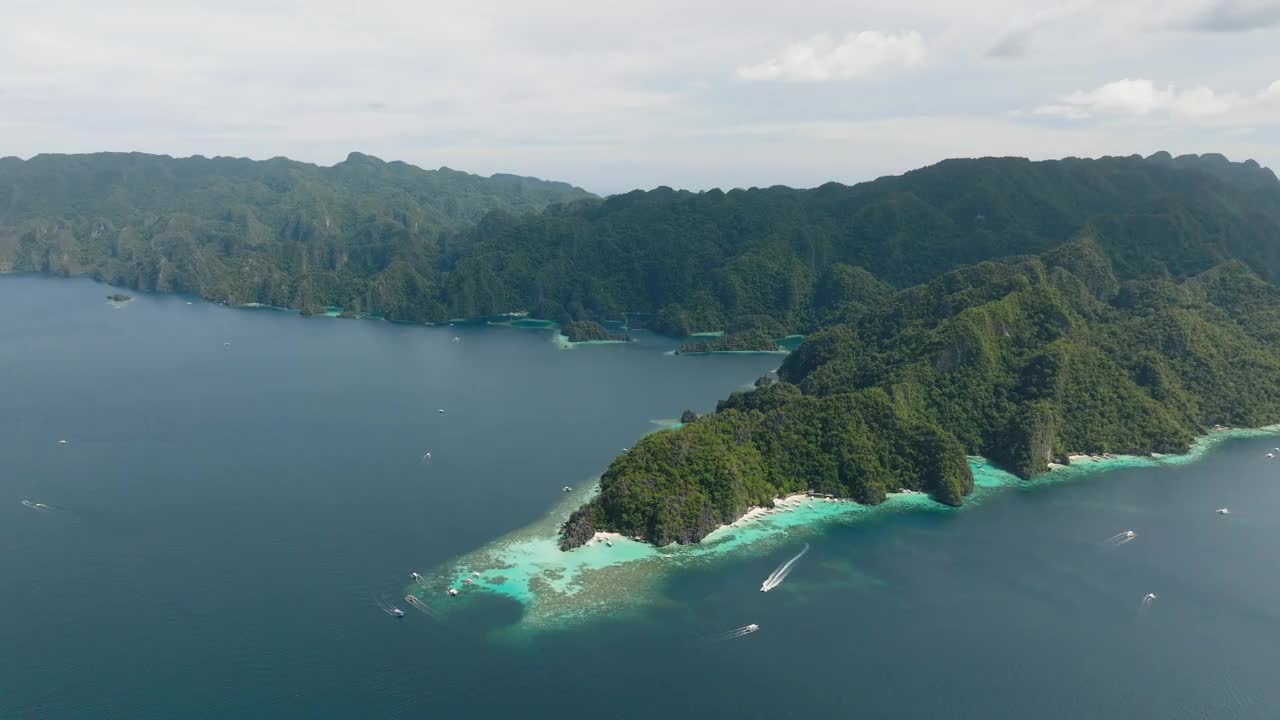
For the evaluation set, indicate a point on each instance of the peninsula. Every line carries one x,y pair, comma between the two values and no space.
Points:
1156,319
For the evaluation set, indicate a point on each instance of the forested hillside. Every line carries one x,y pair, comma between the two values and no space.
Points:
1143,330
703,260
364,234
1024,361
390,238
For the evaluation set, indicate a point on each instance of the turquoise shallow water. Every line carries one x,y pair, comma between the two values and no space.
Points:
224,520
557,588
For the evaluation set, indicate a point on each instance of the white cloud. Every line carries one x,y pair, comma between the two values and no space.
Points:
1142,97
821,58
1070,112
612,96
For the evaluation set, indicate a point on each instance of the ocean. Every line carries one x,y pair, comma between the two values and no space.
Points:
241,490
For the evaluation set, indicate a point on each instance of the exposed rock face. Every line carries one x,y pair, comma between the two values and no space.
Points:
1029,440
578,529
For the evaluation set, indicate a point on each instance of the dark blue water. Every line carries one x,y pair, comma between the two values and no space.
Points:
223,518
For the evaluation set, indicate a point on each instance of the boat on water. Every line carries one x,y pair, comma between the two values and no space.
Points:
753,627
453,592
568,489
1224,511
395,612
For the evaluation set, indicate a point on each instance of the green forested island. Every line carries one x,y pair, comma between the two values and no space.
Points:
749,333
590,330
1020,310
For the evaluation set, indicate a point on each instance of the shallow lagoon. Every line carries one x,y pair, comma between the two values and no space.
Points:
225,518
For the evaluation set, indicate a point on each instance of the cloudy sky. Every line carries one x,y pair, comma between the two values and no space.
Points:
617,95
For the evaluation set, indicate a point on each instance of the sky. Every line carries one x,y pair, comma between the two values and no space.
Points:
613,96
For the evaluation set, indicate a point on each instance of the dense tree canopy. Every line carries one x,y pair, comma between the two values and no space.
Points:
1142,330
364,234
392,239
700,261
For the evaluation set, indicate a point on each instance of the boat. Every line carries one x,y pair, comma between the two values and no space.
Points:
395,612
476,574
568,489
609,543
466,581
441,411
753,627
453,591
1224,511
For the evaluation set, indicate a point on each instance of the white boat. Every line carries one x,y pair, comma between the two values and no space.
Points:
453,591
476,574
1224,511
753,627
568,489
395,612
441,411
